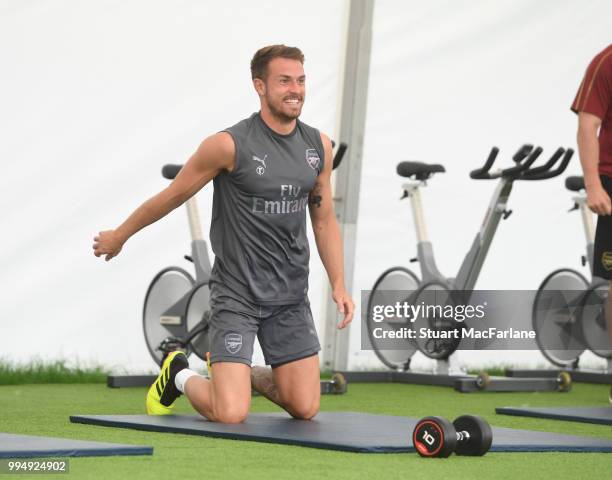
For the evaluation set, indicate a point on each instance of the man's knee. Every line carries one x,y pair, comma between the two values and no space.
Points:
304,410
231,413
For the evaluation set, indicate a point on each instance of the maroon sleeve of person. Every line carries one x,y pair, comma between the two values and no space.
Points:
595,97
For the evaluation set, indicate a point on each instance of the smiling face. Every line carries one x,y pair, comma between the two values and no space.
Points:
283,89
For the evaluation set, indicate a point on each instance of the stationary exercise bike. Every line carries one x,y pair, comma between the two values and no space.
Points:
401,284
176,309
568,310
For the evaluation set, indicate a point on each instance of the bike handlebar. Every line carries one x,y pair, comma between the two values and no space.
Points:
170,171
524,158
558,171
548,165
483,172
339,154
522,153
524,166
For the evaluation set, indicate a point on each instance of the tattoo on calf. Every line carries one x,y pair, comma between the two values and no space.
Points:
262,380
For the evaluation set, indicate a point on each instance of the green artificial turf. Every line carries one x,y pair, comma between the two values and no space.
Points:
44,410
55,371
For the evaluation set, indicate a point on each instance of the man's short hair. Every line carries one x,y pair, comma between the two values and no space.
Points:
263,56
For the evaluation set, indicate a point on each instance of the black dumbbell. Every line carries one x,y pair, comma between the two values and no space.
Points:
438,437
337,384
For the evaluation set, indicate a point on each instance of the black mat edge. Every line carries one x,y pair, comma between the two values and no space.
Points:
523,412
94,452
88,420
505,448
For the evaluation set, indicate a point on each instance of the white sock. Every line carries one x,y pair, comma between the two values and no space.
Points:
181,378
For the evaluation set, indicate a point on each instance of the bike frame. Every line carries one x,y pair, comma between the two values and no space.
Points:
199,248
580,201
472,264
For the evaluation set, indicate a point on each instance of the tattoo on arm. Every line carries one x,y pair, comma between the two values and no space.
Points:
315,196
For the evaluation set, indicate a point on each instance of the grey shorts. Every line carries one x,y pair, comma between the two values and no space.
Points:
286,333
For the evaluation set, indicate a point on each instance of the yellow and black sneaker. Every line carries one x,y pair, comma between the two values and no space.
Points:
163,393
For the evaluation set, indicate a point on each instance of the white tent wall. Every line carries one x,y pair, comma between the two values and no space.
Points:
97,96
450,79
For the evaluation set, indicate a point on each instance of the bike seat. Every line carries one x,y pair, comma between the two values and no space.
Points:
421,171
170,171
574,184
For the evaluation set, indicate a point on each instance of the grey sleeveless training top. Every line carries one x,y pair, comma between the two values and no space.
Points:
258,229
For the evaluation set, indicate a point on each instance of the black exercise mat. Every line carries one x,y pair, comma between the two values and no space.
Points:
29,446
599,415
349,431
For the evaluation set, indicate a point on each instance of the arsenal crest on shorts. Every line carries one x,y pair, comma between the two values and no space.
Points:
233,342
312,157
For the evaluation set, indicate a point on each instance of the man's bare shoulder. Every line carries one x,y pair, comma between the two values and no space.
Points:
328,150
218,150
327,143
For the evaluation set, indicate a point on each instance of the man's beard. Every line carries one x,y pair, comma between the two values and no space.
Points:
280,115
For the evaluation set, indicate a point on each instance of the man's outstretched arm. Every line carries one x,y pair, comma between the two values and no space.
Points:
327,236
215,154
